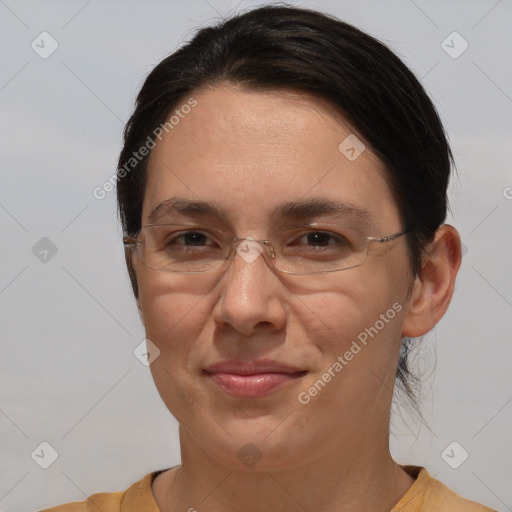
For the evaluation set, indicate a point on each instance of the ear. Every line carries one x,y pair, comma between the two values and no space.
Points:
139,307
433,288
131,262
136,290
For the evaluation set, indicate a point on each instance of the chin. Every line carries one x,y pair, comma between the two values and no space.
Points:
259,444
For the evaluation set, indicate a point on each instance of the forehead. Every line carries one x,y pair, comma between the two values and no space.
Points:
252,152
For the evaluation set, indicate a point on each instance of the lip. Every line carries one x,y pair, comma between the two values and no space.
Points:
251,379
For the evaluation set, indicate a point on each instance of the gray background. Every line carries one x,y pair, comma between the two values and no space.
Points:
69,324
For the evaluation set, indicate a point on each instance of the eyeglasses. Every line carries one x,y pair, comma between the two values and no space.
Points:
307,249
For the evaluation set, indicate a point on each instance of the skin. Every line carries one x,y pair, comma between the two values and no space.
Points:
249,151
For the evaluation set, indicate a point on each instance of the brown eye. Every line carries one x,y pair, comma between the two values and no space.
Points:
320,239
193,238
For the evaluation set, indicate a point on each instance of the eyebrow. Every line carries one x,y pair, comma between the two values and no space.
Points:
310,207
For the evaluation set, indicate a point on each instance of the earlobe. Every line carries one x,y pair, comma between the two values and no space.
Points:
433,286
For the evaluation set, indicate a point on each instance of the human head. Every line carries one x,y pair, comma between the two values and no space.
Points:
273,48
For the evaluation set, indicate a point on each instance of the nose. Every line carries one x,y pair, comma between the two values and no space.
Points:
251,296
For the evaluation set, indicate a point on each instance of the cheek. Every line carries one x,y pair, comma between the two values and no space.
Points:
357,302
175,314
362,322
173,308
358,356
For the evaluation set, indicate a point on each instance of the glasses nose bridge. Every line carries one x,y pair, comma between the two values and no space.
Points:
252,250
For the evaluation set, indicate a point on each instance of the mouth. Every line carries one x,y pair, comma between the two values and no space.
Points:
251,379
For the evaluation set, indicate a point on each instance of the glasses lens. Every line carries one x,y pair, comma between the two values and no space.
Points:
326,248
179,248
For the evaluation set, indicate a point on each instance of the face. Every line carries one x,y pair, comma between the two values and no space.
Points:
296,365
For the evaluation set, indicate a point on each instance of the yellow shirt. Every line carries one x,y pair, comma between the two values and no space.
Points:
426,495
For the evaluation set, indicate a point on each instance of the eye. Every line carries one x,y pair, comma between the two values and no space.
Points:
190,237
187,239
321,239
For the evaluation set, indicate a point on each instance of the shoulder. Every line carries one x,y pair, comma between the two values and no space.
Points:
137,497
430,495
107,502
440,497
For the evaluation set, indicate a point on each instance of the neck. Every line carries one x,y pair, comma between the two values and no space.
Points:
359,476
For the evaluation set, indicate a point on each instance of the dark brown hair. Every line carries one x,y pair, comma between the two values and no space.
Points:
280,46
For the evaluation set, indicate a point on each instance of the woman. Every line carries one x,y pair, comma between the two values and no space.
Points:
282,189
